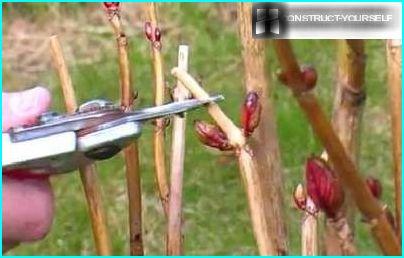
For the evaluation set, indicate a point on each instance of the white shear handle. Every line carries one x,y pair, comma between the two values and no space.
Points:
20,154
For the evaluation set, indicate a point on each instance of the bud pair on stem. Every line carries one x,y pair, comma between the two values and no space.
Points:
211,135
325,190
153,34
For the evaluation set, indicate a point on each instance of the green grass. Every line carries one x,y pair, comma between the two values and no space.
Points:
215,210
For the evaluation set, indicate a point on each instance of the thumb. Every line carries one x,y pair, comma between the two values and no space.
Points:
23,108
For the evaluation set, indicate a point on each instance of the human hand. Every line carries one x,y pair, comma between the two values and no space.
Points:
27,199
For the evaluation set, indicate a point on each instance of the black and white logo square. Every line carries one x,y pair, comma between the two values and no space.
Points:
267,20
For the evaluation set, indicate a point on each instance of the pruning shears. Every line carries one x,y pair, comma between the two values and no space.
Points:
98,130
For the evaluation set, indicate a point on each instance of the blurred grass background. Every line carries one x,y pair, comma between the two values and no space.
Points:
215,210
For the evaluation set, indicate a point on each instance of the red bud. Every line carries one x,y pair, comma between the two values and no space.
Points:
111,6
250,113
309,76
212,136
157,34
157,38
148,31
374,186
325,190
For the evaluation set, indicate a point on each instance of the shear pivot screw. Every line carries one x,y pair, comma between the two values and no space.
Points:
104,152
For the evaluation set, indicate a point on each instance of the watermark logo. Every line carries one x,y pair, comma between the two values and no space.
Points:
268,21
326,20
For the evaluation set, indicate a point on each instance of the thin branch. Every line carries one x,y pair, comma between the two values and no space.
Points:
258,205
159,132
88,172
174,233
345,168
127,95
394,57
264,140
349,101
131,153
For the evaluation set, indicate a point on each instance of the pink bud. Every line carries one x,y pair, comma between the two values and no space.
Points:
212,136
250,113
374,186
111,6
148,30
322,187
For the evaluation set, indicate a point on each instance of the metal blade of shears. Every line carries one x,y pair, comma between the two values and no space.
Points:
170,109
145,114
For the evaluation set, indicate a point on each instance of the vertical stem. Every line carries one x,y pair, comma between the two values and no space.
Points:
159,132
174,233
131,156
248,166
264,142
348,105
131,152
309,231
350,95
88,172
346,170
394,58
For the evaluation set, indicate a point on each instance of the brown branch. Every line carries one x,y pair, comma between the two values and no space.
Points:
131,153
258,204
346,120
264,141
394,57
346,170
159,132
174,233
88,172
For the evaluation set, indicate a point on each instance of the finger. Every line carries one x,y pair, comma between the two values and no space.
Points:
27,209
27,201
23,108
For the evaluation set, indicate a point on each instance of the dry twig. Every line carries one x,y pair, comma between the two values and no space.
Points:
174,233
258,205
345,168
131,153
309,230
88,172
263,141
159,92
309,237
393,48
